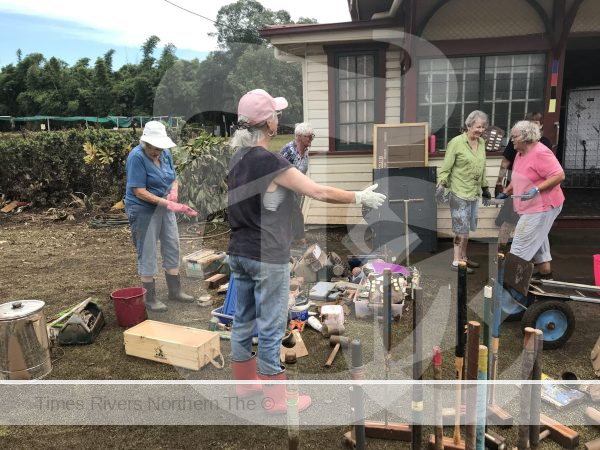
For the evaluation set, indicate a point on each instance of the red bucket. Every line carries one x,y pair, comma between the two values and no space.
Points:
130,307
597,270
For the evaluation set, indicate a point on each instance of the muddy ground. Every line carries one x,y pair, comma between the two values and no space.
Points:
63,263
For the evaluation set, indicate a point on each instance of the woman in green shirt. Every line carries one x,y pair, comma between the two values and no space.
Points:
463,173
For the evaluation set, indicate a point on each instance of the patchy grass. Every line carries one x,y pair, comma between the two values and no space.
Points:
279,141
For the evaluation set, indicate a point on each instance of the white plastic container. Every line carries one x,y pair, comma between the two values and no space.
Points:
315,323
333,314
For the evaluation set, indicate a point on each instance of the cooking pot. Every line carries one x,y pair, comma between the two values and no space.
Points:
24,347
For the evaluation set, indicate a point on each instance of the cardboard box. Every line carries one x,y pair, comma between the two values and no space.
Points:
301,269
315,258
177,345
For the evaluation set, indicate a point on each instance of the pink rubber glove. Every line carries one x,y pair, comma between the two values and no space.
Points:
172,197
181,208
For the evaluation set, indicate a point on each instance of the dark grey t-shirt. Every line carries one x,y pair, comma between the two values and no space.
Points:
256,232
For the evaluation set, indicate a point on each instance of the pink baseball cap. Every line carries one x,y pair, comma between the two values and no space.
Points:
258,106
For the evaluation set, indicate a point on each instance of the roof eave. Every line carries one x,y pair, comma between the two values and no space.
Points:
279,30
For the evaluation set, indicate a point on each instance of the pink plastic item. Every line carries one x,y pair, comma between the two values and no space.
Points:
432,143
597,270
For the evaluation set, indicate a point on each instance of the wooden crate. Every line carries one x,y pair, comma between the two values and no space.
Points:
202,263
177,345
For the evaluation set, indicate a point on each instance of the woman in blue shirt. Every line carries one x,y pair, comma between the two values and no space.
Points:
151,204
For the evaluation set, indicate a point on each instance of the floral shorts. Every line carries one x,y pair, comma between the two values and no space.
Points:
464,214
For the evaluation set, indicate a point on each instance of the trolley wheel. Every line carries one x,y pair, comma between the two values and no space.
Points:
554,317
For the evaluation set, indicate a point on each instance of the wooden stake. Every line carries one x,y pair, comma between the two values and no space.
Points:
417,388
474,329
525,403
481,397
459,349
437,399
536,390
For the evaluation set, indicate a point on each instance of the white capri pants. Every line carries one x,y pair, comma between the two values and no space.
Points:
530,241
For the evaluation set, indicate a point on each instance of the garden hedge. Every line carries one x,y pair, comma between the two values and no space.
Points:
45,167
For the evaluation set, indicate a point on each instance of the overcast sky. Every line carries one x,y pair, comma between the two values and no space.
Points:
72,30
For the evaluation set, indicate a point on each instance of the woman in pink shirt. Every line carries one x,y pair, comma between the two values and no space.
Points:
538,198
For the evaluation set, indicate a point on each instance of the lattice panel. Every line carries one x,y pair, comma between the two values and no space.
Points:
470,19
587,18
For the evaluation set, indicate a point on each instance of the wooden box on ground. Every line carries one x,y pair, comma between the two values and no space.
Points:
177,345
202,263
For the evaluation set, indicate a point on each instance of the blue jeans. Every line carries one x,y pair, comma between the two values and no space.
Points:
149,226
262,291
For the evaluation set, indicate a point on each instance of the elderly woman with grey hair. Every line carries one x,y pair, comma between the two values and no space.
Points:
463,174
296,152
538,198
151,203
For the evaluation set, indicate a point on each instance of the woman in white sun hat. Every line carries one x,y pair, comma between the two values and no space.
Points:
151,204
261,187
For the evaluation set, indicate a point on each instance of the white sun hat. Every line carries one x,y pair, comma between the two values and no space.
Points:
155,134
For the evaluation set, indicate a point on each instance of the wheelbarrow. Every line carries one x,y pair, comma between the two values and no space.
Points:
546,306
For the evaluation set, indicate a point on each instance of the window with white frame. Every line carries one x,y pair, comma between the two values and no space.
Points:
506,87
356,100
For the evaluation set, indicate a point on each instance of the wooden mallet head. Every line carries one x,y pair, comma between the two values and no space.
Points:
342,340
336,342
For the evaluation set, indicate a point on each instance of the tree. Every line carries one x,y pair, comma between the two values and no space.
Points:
148,50
240,22
246,61
258,68
34,85
179,92
167,59
102,100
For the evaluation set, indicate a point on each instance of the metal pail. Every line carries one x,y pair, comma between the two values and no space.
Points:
24,347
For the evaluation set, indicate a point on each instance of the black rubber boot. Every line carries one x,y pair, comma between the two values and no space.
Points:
152,303
175,292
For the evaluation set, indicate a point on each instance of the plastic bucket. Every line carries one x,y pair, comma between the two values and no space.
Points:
130,307
299,312
597,271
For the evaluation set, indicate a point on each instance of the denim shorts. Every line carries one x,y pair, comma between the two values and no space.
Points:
262,291
464,214
149,226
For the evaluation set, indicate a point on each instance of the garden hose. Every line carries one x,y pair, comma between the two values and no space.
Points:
195,230
109,221
118,220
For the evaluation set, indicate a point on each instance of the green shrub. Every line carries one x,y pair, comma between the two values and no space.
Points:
202,171
46,167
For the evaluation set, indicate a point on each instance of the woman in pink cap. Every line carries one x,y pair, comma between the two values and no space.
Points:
260,201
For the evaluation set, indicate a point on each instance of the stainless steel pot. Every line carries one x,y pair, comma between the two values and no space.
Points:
24,347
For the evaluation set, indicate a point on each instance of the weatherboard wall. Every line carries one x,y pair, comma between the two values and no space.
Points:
354,172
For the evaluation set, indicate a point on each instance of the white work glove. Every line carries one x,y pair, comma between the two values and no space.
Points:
369,198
